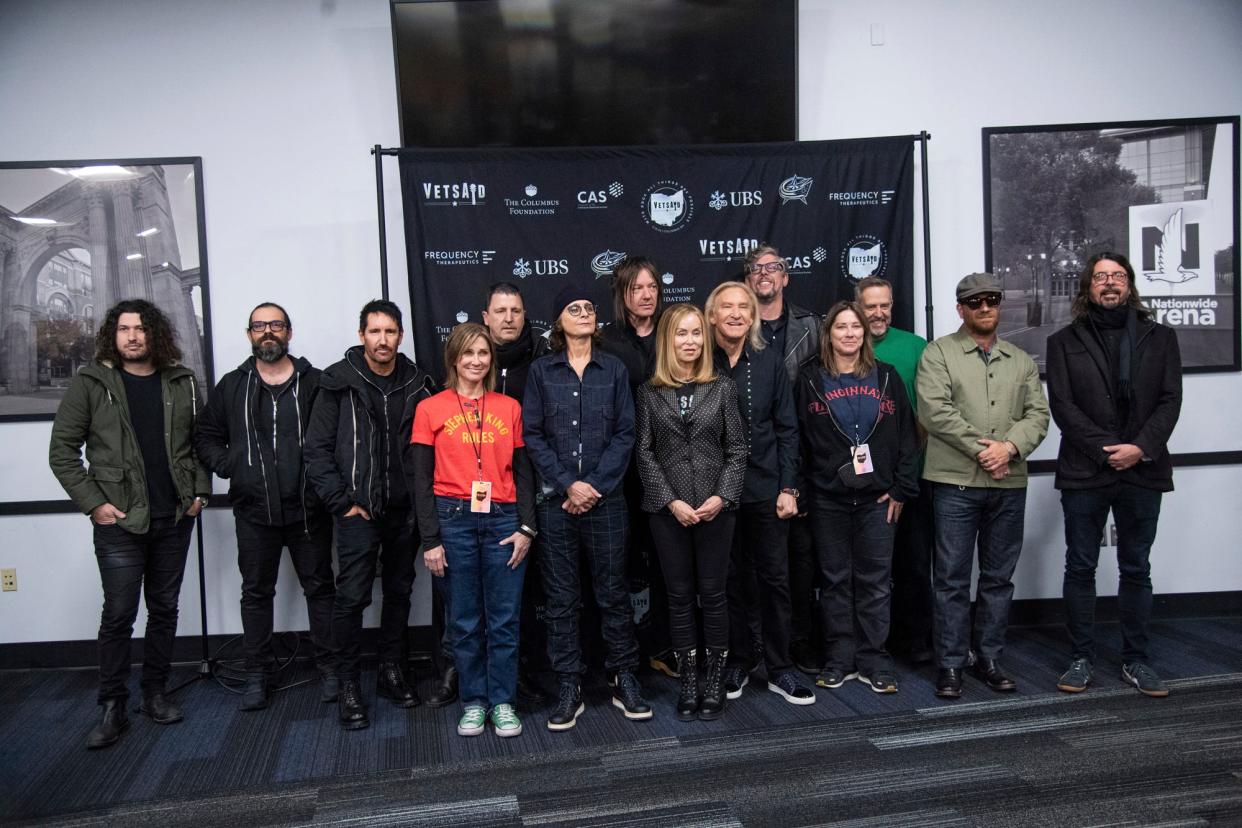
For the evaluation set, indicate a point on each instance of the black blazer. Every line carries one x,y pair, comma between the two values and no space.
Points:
690,459
1080,396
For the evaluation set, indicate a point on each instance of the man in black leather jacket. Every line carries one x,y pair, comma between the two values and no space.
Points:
355,452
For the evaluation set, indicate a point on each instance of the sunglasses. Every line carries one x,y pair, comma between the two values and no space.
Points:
992,300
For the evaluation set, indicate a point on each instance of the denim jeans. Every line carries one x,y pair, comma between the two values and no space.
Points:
758,588
994,520
151,565
695,560
854,547
601,535
485,597
360,544
259,549
1136,511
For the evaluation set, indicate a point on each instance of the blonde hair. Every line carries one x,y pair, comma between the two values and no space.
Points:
460,338
666,356
755,337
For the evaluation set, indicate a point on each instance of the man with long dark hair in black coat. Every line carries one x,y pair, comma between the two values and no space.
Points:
1115,389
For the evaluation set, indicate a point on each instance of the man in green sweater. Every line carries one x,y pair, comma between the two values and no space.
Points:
911,625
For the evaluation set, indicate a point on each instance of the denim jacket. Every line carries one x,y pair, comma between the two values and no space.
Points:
578,429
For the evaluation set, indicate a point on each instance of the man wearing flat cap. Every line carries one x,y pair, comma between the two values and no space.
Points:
984,409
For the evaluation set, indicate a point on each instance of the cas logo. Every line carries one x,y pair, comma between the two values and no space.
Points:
802,264
540,267
735,198
454,194
863,256
603,264
667,206
598,199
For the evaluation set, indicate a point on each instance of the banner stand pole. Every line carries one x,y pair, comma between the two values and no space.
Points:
206,667
924,137
378,152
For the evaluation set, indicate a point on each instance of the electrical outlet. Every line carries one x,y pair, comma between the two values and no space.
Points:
8,580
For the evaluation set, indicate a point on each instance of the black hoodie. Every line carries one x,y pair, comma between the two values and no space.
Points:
235,439
892,442
355,446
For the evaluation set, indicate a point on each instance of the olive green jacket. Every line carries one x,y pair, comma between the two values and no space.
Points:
95,411
963,399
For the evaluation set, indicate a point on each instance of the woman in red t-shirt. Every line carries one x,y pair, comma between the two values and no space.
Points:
475,498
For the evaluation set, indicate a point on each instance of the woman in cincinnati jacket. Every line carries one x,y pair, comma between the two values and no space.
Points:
860,462
691,451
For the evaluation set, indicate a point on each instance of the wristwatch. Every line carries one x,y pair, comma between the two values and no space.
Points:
204,502
528,531
794,492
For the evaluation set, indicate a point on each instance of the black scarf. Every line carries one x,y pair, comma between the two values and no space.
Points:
1117,330
517,352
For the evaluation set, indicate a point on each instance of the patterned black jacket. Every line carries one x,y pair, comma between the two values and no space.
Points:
694,458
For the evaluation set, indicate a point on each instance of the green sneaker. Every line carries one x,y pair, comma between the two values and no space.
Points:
505,720
472,721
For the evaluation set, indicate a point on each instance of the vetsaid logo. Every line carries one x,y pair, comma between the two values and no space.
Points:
795,188
529,205
445,258
735,198
540,267
864,255
861,198
667,206
725,250
603,264
598,199
454,194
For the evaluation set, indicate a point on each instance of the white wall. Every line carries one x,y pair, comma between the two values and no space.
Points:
283,98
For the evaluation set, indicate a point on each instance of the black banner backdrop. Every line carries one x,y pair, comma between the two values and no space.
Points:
837,210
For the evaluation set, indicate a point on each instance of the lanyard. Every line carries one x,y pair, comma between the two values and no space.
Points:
479,409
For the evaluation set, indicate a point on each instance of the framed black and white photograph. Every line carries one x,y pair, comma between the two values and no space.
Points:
75,238
1164,193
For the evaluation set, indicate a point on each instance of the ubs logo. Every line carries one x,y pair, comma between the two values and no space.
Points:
540,267
735,198
667,207
454,194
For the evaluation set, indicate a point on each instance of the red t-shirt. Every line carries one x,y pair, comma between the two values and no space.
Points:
458,427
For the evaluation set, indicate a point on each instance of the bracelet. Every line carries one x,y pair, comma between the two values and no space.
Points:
528,531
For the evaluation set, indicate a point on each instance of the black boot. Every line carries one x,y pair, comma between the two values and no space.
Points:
688,697
445,691
160,709
352,711
108,731
713,683
529,693
391,684
254,693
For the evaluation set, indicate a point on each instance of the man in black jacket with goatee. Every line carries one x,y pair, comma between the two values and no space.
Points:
1115,390
355,453
251,434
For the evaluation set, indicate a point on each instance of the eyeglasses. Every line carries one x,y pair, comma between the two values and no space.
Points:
277,325
992,300
766,267
578,309
1113,276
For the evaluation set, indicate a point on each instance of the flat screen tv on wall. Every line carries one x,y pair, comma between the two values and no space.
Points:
530,73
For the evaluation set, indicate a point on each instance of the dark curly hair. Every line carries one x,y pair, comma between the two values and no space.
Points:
161,338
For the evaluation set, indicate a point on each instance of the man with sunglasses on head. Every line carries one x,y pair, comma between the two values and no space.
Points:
1115,386
251,434
982,404
792,333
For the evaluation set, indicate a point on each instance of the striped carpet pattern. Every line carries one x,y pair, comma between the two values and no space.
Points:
1108,756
